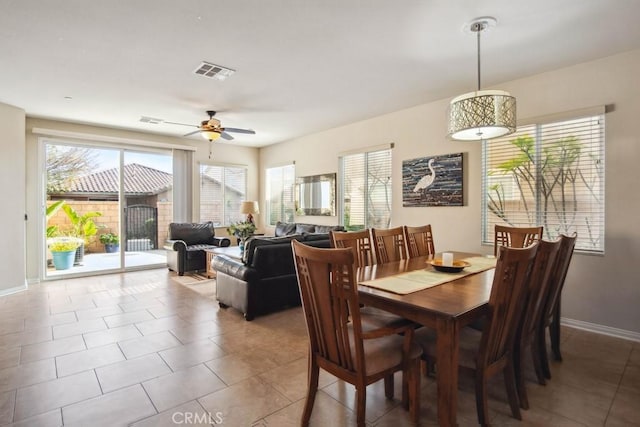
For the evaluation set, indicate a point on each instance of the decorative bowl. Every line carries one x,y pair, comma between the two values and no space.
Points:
458,265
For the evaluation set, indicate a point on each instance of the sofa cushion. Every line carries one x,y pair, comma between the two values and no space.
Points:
252,243
285,228
327,228
192,233
305,228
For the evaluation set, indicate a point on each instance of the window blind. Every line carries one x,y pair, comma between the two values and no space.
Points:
280,195
549,174
222,190
365,190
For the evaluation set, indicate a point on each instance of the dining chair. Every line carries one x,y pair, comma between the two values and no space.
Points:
389,244
538,285
490,351
551,313
419,241
360,241
339,343
515,237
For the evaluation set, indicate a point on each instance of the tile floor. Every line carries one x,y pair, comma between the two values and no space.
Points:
139,349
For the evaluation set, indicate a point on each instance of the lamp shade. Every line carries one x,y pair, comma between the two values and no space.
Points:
482,114
249,208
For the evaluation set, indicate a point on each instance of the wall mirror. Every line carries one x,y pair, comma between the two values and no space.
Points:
316,195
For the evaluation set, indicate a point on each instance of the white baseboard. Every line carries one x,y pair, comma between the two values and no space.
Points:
33,281
601,329
5,292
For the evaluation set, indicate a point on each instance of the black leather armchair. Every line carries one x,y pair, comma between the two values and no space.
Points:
186,244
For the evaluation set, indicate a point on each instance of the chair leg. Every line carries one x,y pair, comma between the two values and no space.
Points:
512,391
554,332
518,367
388,386
314,372
361,404
537,362
481,399
542,351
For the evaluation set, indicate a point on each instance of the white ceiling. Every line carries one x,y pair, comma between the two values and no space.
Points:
302,66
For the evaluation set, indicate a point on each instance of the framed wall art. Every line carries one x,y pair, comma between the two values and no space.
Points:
432,181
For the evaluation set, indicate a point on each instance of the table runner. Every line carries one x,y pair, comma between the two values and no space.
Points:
417,280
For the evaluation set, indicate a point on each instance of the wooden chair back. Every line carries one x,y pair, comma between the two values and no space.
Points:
330,301
389,244
558,276
515,237
419,241
360,241
506,304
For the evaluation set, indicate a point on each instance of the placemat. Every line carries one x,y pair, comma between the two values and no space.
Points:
417,280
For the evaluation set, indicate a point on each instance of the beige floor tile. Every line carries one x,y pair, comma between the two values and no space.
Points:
182,386
240,366
197,331
138,305
78,328
625,409
163,324
53,348
191,354
43,397
326,412
129,372
118,408
11,326
71,307
631,379
7,403
49,320
48,419
120,333
291,379
26,337
190,413
27,374
152,343
88,359
95,313
244,403
127,318
9,357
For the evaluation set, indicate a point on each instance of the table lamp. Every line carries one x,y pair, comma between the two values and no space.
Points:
249,209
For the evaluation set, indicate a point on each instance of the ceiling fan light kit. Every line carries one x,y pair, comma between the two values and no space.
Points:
481,114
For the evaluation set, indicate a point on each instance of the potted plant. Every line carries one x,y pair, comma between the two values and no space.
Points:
242,230
63,253
111,242
82,226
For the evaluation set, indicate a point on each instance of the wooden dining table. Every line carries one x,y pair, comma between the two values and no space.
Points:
446,308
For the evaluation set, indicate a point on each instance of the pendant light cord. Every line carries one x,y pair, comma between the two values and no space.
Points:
478,29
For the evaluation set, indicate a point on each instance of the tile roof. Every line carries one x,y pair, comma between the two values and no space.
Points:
138,179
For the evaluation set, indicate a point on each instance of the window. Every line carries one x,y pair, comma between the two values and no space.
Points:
549,174
222,189
279,190
365,190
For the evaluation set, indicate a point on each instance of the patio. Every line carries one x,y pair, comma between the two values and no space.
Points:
94,262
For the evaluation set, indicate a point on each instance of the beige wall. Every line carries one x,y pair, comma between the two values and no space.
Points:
603,291
222,154
12,163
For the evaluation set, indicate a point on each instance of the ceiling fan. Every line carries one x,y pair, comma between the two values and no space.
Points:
211,129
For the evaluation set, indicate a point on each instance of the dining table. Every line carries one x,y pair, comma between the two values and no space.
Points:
445,307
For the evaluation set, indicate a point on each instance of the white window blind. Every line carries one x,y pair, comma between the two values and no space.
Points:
365,190
222,189
549,174
279,191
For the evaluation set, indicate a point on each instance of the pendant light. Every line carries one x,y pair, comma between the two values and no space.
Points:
482,114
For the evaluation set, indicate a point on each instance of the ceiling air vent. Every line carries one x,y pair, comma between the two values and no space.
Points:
214,71
152,120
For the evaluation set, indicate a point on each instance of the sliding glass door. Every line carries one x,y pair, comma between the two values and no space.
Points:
109,206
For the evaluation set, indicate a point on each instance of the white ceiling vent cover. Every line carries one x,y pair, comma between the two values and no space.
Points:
214,71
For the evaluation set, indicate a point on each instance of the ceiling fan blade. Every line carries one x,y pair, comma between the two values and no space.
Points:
180,124
192,133
225,135
247,131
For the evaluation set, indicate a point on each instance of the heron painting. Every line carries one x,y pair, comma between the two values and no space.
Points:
432,181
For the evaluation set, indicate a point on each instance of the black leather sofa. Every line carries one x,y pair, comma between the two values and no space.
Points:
186,244
265,280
